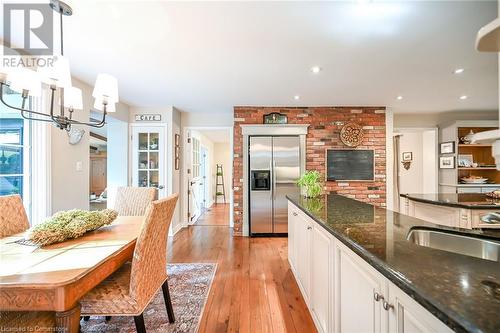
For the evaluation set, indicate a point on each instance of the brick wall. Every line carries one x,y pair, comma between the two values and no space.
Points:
325,125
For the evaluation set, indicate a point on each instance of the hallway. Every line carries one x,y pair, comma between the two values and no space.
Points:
216,215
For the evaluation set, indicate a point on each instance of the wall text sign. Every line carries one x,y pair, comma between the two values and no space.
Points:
148,117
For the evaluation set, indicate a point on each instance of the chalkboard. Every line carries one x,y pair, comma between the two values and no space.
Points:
349,164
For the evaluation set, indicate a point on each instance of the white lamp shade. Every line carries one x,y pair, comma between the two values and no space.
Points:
99,105
58,74
106,87
25,79
73,98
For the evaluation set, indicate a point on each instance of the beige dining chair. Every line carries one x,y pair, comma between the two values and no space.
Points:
13,217
133,201
129,290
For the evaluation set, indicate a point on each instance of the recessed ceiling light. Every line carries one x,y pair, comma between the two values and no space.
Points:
459,71
315,69
296,97
400,97
463,97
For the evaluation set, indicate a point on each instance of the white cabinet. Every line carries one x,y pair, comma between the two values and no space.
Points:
303,234
343,292
359,291
321,284
407,316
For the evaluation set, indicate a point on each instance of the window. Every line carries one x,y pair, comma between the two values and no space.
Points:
15,151
196,158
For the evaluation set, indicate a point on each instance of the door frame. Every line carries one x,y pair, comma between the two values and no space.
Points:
167,169
205,174
402,131
186,135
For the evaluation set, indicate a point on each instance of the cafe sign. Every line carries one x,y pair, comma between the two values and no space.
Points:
148,117
275,118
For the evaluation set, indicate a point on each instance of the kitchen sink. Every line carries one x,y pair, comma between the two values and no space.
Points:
451,242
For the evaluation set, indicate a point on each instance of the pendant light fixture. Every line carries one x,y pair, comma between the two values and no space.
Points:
58,78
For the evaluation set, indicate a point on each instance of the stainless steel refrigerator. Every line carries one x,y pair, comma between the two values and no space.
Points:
274,170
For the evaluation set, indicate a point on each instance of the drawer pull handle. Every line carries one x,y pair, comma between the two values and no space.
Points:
377,297
309,228
295,214
387,306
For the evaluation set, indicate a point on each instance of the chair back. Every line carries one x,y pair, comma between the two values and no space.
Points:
133,201
13,217
149,263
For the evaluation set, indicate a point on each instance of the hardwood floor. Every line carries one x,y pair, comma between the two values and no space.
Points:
254,289
218,214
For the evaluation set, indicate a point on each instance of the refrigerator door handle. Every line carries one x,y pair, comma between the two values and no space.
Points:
274,179
271,186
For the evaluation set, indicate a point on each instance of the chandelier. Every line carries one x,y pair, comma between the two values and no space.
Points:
57,77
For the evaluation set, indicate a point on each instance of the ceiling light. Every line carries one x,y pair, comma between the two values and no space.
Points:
296,97
459,71
399,97
58,78
463,97
315,69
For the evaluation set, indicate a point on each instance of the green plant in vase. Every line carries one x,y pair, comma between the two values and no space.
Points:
310,182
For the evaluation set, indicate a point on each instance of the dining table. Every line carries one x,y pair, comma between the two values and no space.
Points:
55,277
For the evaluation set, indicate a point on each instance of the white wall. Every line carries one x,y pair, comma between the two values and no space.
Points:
223,155
190,119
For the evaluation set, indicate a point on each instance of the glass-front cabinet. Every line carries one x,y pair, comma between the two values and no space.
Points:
148,154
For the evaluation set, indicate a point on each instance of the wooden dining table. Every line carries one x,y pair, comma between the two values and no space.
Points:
56,277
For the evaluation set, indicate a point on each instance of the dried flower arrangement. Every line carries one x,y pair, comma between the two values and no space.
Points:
69,224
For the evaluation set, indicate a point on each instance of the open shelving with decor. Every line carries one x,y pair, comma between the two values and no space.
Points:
471,160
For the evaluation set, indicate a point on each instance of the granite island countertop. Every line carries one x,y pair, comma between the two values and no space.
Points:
458,200
462,291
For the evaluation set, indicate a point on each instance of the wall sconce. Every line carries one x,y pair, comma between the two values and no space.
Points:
407,158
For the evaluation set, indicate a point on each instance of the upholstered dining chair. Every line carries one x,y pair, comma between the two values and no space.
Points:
13,217
133,201
129,290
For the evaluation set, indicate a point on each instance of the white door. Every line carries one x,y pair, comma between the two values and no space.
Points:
303,233
358,289
204,178
148,157
321,283
195,203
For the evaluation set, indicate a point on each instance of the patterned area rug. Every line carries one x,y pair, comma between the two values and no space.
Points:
189,288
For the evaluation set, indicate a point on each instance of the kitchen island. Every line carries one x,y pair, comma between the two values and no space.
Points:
463,210
358,272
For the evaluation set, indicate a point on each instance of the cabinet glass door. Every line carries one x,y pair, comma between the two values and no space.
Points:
148,157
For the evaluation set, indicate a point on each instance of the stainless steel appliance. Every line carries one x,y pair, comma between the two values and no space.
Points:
274,170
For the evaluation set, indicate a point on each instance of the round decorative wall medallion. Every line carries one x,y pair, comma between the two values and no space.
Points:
351,134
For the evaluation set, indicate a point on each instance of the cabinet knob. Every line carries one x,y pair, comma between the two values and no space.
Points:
294,214
387,306
309,228
377,297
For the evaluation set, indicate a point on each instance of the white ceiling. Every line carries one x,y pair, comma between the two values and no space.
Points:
216,135
210,56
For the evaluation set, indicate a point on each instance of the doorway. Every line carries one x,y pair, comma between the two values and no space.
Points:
415,162
209,196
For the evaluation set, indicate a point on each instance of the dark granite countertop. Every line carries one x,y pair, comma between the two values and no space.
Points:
462,291
460,200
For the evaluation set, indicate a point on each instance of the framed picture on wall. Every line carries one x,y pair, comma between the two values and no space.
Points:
447,147
407,156
447,162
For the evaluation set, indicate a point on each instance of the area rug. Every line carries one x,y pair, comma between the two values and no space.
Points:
189,288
